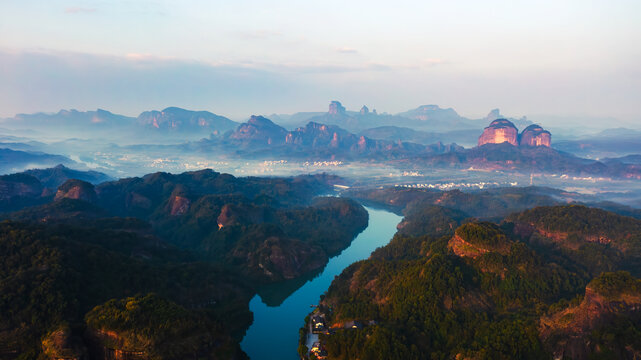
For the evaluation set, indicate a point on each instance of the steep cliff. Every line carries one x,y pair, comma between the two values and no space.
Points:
76,189
499,131
534,135
601,324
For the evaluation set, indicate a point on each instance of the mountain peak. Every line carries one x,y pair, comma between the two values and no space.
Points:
493,115
260,120
336,108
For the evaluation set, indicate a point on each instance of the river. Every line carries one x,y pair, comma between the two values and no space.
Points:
280,311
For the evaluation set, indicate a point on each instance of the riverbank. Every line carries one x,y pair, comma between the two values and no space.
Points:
274,334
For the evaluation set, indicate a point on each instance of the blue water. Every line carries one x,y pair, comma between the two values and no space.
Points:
274,332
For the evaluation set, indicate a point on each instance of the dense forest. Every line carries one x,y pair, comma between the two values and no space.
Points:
158,267
454,287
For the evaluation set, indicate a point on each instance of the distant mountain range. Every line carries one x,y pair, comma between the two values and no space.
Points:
260,138
15,160
430,118
172,121
422,138
608,143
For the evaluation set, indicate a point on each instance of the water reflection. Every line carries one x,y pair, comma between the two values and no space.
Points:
279,310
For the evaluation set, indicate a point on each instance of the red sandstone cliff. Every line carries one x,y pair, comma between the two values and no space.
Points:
534,135
498,132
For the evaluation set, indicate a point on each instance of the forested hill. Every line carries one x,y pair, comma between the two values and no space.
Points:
459,288
158,267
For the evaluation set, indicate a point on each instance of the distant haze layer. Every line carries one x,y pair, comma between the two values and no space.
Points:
570,59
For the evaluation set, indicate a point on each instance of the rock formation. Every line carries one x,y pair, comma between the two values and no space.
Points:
60,344
504,131
534,135
498,132
76,189
336,108
573,333
259,130
494,114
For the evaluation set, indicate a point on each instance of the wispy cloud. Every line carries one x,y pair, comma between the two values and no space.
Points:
79,10
346,50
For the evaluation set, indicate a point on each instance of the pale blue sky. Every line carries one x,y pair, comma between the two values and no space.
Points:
242,57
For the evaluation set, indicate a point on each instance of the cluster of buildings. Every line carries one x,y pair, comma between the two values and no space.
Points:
318,325
450,186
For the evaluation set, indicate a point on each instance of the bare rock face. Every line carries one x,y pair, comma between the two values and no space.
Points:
468,243
76,189
62,345
568,333
242,214
336,108
179,205
534,135
498,132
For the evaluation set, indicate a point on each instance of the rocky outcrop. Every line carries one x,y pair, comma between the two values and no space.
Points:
259,130
572,333
534,135
504,131
336,108
177,119
179,205
475,239
111,345
76,189
60,344
498,132
494,114
243,214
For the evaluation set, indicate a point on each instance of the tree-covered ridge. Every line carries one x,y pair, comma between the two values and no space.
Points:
419,299
604,324
431,220
484,234
158,328
587,239
51,276
268,229
613,285
202,241
581,221
492,203
141,196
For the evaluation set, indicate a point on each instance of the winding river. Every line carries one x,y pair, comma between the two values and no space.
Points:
279,310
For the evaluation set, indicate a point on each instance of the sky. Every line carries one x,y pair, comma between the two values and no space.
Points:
561,58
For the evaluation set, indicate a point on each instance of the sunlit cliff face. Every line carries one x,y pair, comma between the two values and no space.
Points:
498,132
535,135
502,130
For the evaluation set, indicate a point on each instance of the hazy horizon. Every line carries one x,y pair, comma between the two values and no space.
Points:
571,59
